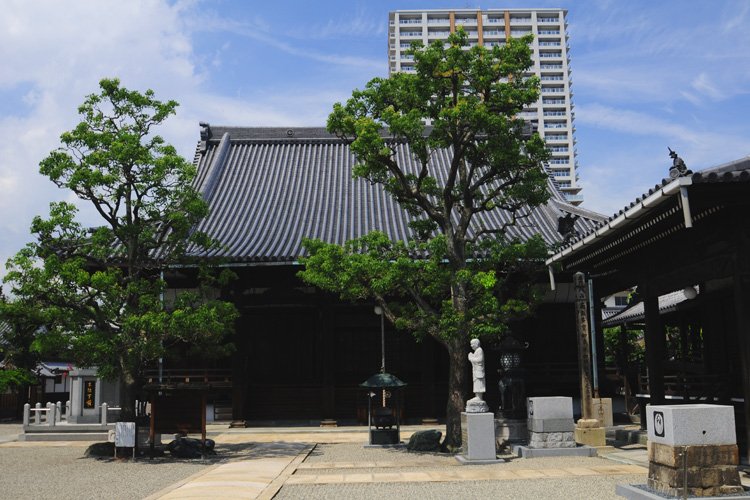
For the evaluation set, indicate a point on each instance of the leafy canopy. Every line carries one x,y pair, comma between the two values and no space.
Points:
102,288
465,102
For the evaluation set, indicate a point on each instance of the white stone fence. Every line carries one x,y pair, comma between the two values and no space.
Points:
52,413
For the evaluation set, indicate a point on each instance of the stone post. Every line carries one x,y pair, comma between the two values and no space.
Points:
58,413
51,414
38,414
26,412
584,345
104,413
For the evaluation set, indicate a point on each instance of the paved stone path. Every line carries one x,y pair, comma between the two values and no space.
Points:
461,473
278,459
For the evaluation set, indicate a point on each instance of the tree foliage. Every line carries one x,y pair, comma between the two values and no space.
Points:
456,279
102,288
22,321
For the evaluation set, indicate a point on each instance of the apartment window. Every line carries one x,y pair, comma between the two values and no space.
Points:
545,55
410,21
553,101
559,149
499,20
555,113
549,78
549,44
547,19
549,32
561,173
559,161
556,137
563,184
553,90
411,33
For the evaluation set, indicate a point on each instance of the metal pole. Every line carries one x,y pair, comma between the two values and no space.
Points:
382,341
592,313
161,299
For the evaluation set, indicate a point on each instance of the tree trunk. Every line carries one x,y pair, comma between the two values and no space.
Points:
457,383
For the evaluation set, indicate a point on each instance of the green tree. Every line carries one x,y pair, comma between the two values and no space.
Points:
470,280
22,321
102,288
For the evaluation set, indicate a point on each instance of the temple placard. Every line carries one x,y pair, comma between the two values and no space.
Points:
89,394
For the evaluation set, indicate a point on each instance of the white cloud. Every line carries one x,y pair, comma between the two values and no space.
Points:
704,85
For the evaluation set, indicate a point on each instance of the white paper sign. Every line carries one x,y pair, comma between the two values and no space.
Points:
125,434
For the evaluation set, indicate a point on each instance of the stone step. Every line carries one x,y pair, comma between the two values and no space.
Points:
63,436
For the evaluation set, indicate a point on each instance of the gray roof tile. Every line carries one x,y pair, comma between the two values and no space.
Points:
270,187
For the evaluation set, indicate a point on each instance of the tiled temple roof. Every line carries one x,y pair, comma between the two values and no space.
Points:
269,187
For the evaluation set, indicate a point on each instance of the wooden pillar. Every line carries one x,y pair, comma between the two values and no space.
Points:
239,361
428,378
584,345
600,360
655,345
741,298
327,360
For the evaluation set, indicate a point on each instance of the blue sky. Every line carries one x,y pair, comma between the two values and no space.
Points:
647,75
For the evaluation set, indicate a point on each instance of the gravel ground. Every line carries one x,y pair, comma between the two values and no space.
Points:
573,488
9,429
57,473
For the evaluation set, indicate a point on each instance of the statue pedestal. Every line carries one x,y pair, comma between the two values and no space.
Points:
478,439
511,430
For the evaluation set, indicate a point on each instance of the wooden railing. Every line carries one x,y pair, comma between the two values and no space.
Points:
217,377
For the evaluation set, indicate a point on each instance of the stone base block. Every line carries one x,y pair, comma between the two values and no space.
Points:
640,492
591,436
465,461
698,455
478,436
551,425
603,411
527,452
711,469
510,431
552,440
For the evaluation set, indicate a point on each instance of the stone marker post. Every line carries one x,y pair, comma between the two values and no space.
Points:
584,345
588,431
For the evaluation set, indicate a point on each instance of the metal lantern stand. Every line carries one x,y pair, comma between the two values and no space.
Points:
383,419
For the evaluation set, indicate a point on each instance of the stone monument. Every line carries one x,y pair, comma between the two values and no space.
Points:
477,422
551,430
691,449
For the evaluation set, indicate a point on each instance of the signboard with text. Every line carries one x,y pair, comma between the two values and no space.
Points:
89,394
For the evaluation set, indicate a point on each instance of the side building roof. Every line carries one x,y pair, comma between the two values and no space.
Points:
267,188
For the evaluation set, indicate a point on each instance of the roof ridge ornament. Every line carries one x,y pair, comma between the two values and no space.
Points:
678,168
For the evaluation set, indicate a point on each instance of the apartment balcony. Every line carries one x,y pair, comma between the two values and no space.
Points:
438,20
520,20
573,197
410,21
410,34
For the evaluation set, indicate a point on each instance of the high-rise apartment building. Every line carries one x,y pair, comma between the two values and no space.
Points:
554,110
